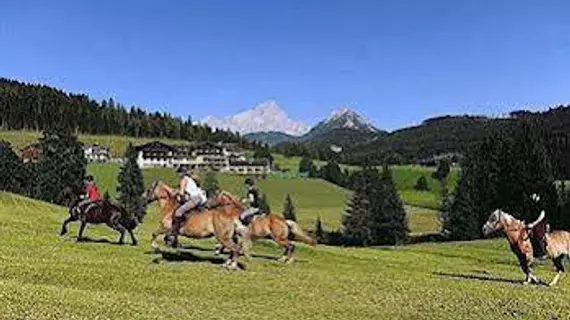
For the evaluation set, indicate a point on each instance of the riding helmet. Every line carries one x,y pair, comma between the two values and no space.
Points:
249,182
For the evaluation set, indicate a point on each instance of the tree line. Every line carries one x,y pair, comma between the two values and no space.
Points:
38,107
62,165
501,172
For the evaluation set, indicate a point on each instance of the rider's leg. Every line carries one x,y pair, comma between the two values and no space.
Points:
245,216
180,215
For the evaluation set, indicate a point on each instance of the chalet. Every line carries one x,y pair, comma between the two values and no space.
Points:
221,157
157,154
30,153
254,167
96,153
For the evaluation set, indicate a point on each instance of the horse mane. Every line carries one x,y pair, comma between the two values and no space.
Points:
167,188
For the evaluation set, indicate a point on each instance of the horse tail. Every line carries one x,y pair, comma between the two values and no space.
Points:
299,233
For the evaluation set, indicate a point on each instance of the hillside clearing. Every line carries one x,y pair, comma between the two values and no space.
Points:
46,277
405,178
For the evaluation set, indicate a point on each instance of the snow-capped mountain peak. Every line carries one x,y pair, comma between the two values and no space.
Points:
264,117
349,119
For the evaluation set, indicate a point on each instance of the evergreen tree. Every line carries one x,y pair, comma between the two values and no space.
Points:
421,184
289,212
264,204
388,222
263,153
502,173
131,185
459,214
355,228
319,232
211,185
442,171
12,177
306,165
331,172
61,163
356,219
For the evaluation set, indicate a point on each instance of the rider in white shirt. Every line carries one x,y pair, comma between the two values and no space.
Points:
190,196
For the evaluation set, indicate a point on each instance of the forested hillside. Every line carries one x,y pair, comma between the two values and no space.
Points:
434,137
38,107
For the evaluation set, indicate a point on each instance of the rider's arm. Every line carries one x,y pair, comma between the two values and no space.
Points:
183,183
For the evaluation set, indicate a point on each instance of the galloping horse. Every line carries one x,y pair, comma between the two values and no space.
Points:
518,234
102,211
219,222
276,228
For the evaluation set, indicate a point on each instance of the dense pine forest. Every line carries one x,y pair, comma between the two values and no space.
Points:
38,107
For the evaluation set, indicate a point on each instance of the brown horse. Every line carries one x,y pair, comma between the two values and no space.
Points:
518,233
276,228
99,212
218,221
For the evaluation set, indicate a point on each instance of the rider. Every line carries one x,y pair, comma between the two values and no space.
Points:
538,232
190,196
91,194
251,199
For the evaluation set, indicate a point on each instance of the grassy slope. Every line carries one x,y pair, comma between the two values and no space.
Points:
116,144
312,197
47,277
405,178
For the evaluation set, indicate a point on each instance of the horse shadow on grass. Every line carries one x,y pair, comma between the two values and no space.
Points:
97,241
187,256
481,277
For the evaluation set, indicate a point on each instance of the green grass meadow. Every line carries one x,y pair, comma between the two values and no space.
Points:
405,178
43,276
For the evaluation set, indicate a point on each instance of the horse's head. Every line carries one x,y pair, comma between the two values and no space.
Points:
495,222
158,190
225,198
70,195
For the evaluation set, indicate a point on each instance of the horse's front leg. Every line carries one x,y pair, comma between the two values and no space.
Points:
133,239
159,231
218,249
65,223
525,263
81,230
559,268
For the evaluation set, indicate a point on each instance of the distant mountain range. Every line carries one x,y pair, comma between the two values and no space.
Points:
269,124
265,117
360,141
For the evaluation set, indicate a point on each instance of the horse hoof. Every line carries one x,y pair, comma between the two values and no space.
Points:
290,261
282,259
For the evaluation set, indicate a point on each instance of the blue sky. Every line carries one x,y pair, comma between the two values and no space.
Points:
397,62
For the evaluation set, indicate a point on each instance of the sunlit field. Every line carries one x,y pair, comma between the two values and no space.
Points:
44,276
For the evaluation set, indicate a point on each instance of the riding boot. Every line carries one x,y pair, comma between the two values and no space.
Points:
177,223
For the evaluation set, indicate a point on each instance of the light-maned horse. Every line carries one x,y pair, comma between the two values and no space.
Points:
276,228
518,233
219,221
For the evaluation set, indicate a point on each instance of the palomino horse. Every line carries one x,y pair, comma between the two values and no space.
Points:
276,228
219,222
518,234
99,212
